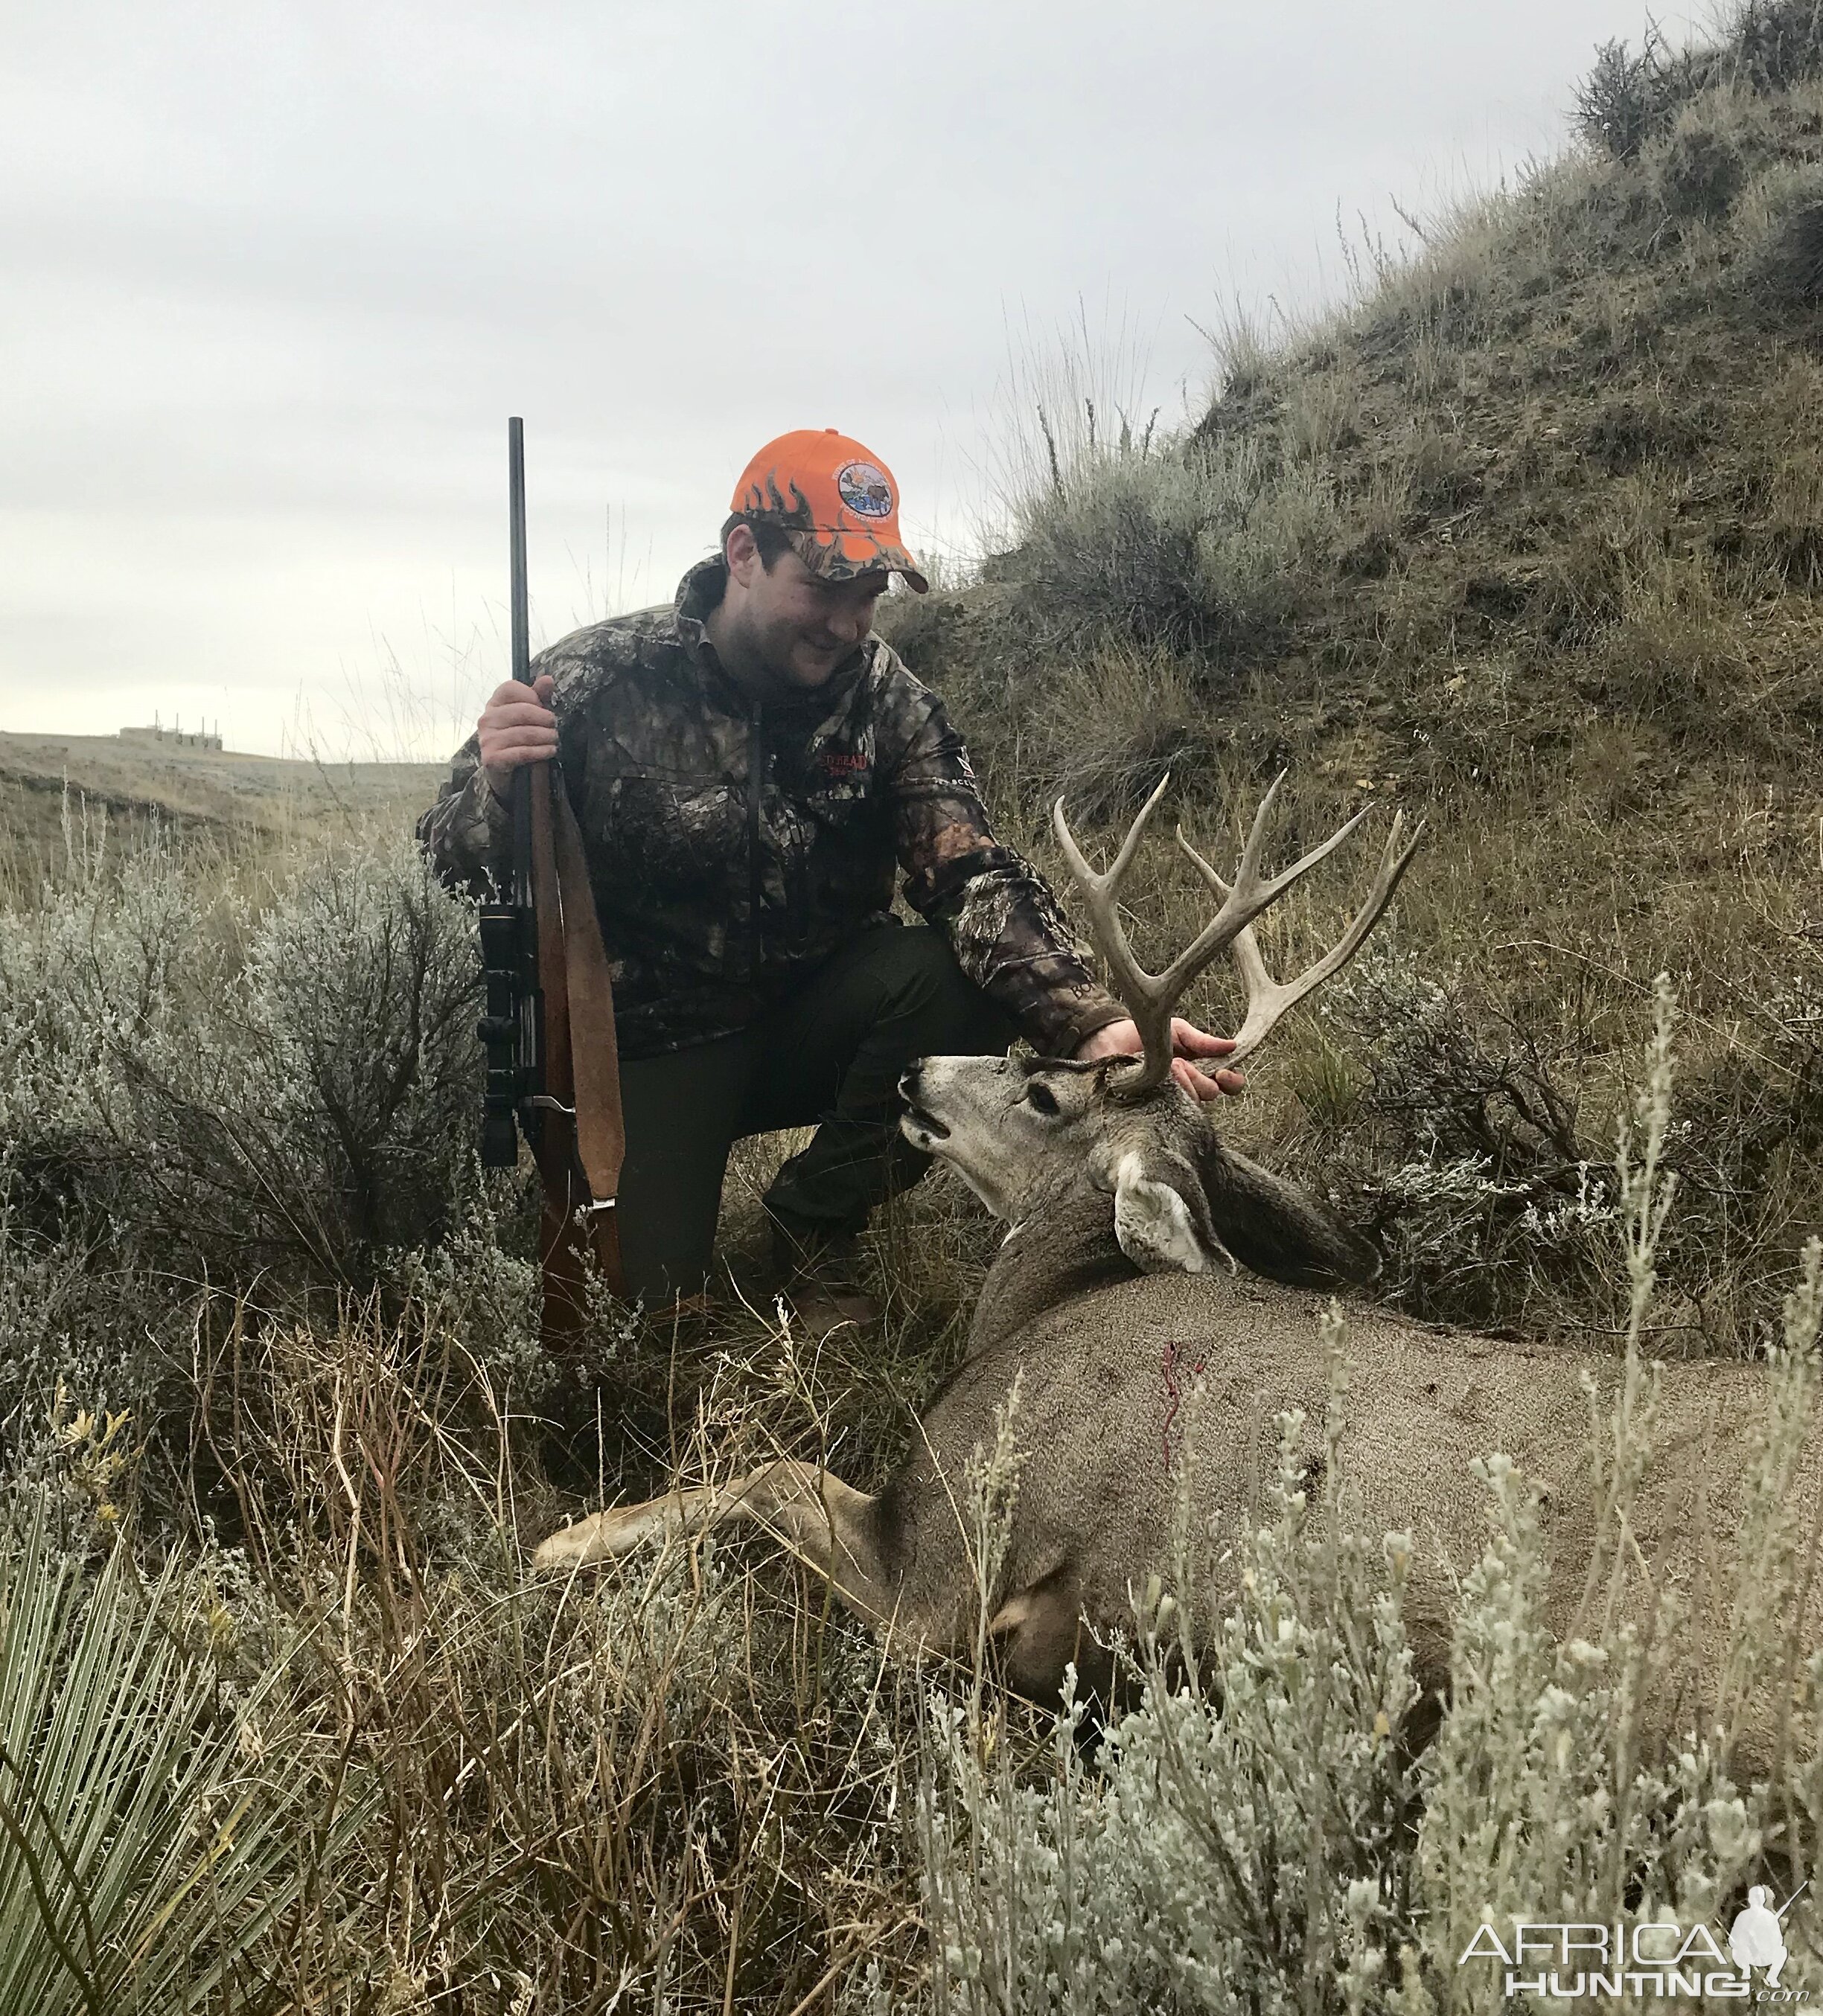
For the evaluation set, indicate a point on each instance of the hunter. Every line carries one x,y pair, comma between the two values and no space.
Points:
748,765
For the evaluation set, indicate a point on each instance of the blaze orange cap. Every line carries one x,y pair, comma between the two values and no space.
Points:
836,501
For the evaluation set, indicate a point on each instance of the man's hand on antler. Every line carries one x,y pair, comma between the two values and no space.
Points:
1121,1039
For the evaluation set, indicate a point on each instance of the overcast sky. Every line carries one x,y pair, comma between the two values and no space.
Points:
275,275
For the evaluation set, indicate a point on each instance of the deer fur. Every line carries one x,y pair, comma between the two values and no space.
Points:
1145,1260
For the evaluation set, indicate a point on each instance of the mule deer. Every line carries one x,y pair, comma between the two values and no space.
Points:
1145,1256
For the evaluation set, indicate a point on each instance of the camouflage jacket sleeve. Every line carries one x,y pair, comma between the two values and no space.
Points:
1009,932
468,832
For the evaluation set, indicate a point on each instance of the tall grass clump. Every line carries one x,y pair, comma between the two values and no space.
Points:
1173,545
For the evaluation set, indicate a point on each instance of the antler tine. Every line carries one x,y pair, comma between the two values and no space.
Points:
1151,999
1145,996
1247,896
1268,1000
1086,876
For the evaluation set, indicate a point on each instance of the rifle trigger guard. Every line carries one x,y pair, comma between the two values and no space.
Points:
554,1105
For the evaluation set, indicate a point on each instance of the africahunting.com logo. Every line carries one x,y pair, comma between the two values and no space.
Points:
1570,1962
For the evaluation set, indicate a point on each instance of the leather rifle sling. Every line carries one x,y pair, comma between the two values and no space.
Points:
600,1128
581,1135
564,1297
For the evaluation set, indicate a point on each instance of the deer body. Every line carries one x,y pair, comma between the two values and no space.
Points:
1157,1286
1118,1368
1108,1380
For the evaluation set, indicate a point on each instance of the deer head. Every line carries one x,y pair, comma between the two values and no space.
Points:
1024,1133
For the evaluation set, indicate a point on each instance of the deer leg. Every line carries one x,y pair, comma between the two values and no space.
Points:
829,1524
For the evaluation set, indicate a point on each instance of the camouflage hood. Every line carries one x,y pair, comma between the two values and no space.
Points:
734,845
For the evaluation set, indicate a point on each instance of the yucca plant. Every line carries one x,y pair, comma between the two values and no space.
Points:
154,1826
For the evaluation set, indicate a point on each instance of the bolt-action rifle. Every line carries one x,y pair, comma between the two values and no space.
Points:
553,1069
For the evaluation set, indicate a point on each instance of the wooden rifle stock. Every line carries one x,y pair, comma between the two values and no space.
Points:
544,949
582,1138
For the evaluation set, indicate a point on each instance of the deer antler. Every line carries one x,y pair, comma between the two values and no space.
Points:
1151,998
1267,999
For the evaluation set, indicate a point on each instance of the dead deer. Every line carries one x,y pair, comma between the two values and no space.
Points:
1144,1258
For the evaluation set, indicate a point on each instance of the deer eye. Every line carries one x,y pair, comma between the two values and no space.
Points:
1042,1099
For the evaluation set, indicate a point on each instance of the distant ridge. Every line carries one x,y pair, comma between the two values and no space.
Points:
187,782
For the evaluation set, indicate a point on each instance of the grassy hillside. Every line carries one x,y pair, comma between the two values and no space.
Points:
1525,539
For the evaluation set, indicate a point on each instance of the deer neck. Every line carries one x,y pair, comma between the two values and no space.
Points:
1062,1248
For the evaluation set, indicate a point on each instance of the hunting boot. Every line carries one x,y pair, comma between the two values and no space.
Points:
819,1274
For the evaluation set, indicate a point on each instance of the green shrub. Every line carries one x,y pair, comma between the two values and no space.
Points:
154,1828
1118,551
1624,100
1461,1154
1763,46
230,1090
69,1319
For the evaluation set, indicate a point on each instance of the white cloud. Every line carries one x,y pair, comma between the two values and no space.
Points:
276,276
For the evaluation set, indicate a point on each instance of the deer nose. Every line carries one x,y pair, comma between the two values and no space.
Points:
907,1083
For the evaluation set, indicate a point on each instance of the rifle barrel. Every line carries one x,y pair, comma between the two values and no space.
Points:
521,799
512,1029
516,509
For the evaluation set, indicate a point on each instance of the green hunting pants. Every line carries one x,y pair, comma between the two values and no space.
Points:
831,1056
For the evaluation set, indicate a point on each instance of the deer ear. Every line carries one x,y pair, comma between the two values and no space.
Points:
1277,1230
1161,1217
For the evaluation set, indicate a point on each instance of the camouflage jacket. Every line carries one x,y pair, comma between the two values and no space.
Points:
732,848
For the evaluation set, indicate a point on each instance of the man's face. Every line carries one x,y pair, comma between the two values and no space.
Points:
800,626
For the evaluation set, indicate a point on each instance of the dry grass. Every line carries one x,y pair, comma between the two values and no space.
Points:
681,1783
222,799
675,1780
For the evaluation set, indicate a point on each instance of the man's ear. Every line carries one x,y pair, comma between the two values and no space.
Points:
1277,1230
740,552
1161,1217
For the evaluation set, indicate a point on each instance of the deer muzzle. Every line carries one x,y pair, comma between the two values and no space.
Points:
918,1124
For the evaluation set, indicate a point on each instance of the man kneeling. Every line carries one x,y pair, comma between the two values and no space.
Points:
748,766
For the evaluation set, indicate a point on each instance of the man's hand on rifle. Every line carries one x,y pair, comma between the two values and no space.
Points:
516,726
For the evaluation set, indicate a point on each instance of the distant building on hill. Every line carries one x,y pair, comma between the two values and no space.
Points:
175,737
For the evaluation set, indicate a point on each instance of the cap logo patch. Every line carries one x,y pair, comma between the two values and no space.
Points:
863,488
